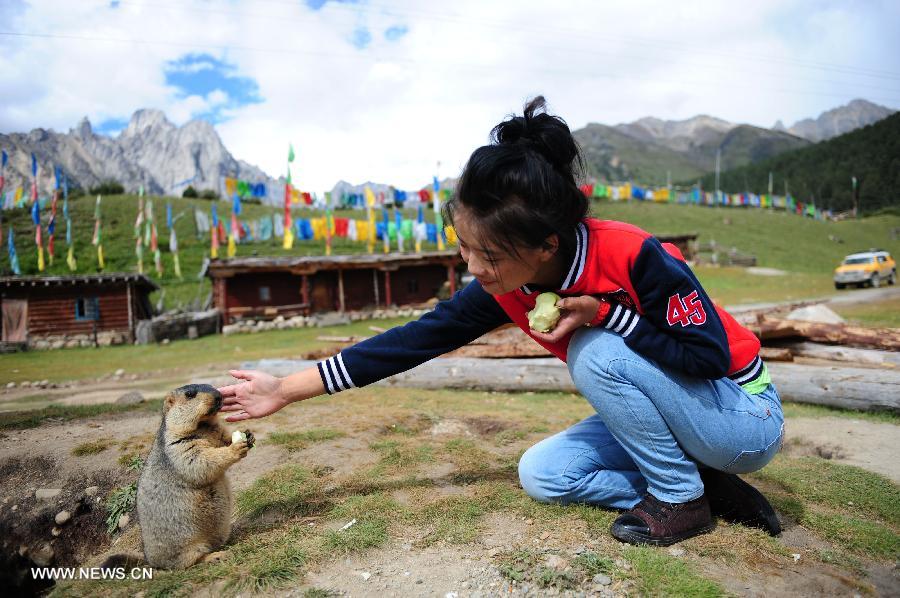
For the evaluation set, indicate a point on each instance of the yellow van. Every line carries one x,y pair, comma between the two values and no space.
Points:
867,268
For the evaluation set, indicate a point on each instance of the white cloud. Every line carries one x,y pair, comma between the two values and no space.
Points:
391,111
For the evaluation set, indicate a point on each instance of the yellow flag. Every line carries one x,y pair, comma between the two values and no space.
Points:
288,238
70,259
451,235
177,267
40,258
232,246
100,261
370,197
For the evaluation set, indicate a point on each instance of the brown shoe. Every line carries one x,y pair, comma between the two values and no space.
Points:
659,523
736,501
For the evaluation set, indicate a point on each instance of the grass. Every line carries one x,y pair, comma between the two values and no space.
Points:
119,502
180,355
657,574
290,519
93,447
295,441
882,314
853,508
807,410
20,420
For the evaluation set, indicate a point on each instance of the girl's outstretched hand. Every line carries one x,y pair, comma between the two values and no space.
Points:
259,395
576,312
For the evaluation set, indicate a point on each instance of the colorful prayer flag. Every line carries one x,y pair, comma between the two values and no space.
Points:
13,257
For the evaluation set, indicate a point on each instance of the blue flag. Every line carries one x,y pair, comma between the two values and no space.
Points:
4,159
36,213
215,217
237,205
56,177
33,165
437,185
169,215
13,258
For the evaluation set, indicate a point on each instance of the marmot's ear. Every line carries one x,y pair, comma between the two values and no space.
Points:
170,400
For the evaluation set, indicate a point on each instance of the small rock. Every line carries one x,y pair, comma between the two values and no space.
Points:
545,535
62,517
14,508
602,580
556,562
25,384
165,341
796,557
119,372
44,383
676,551
365,575
91,490
529,522
55,532
44,556
47,493
130,398
10,385
123,521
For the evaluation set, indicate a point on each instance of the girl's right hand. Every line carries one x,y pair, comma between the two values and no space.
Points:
260,394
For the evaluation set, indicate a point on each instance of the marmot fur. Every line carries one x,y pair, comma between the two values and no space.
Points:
184,501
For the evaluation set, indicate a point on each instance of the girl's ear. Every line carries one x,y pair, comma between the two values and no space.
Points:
549,247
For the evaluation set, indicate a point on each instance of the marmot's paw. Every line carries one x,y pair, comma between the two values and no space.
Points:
241,447
251,439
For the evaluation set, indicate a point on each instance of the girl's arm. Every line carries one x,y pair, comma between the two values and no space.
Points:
453,323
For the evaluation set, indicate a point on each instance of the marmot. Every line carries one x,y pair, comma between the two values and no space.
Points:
183,498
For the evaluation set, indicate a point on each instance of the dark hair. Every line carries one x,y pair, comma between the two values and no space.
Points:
522,187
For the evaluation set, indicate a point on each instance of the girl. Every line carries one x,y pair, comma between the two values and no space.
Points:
683,400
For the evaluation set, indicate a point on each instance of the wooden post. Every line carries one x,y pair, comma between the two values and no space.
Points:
130,311
451,275
375,284
387,288
341,290
224,294
304,288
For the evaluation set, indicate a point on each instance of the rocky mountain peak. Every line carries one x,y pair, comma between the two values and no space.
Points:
147,119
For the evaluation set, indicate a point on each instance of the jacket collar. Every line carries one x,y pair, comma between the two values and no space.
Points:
577,266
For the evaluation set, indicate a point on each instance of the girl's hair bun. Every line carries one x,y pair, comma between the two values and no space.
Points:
547,135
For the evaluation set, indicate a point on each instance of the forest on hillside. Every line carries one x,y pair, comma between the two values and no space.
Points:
823,172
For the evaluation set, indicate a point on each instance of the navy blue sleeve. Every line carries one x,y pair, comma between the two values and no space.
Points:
469,314
680,327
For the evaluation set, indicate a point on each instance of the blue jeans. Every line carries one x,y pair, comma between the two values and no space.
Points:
653,426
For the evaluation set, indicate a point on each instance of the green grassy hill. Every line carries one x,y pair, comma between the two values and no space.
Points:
809,248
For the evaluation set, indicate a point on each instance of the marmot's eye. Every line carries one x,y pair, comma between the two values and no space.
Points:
191,394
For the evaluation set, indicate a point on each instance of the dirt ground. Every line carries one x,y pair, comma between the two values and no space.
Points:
42,458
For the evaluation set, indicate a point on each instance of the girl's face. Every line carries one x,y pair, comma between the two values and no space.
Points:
497,271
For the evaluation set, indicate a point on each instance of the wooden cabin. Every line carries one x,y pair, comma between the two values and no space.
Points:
50,312
265,287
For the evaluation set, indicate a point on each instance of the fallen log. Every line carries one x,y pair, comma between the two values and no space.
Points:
769,328
845,387
884,359
776,354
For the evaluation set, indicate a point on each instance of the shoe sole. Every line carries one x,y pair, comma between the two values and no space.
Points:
625,535
766,519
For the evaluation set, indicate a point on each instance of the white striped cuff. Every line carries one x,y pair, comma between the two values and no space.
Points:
334,374
623,320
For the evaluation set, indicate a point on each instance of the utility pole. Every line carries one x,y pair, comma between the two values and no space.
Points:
855,197
718,158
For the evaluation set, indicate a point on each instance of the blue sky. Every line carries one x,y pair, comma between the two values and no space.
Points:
387,89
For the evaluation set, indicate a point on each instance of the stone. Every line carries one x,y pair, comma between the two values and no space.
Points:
816,313
229,329
62,517
91,490
10,385
25,384
192,332
601,580
47,493
123,521
55,532
556,562
132,397
43,556
676,551
119,372
165,341
58,344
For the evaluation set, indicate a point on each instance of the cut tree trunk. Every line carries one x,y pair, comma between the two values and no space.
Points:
846,387
769,328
